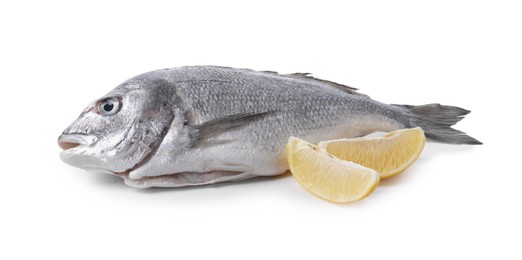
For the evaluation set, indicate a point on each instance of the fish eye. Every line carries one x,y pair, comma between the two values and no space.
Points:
108,106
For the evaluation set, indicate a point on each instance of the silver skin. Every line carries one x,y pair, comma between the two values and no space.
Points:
201,125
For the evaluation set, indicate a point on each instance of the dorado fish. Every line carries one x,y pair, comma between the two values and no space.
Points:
204,124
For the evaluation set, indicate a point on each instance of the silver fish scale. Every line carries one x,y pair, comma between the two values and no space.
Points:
300,104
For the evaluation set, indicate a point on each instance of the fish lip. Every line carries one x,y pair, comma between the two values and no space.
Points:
70,141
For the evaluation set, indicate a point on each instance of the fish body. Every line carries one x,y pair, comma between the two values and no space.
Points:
203,124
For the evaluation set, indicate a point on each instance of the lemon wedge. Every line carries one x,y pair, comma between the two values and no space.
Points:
389,155
328,177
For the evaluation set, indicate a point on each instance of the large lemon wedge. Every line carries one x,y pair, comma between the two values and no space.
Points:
389,155
328,177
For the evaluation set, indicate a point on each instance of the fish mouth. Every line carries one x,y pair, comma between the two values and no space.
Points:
69,141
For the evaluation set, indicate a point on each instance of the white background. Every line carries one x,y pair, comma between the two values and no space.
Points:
456,202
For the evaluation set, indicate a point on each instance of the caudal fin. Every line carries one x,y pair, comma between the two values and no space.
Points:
436,121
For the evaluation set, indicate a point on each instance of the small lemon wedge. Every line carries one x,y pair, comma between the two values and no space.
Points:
328,177
389,155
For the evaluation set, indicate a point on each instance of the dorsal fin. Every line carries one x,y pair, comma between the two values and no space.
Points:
341,87
302,76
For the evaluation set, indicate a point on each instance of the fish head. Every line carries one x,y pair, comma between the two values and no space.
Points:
118,131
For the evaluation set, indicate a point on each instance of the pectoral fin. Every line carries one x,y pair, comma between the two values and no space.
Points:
218,126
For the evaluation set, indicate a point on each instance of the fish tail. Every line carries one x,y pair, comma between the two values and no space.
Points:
436,121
